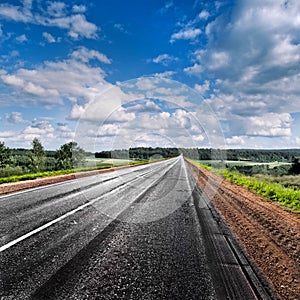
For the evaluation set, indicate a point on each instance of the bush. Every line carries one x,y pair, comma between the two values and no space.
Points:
9,171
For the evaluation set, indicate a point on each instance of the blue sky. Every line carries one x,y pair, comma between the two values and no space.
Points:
221,73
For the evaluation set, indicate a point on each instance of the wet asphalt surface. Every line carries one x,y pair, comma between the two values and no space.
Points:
142,233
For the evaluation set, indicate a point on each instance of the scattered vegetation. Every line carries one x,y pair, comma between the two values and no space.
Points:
295,169
22,164
5,154
27,163
273,188
69,156
37,156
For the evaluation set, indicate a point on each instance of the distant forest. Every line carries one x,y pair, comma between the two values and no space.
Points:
70,155
289,158
286,155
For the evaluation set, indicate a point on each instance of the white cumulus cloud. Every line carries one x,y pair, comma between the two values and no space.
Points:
164,59
50,38
56,15
185,34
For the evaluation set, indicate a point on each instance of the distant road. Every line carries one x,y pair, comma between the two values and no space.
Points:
139,233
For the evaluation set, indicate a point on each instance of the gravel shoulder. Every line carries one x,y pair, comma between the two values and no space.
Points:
269,234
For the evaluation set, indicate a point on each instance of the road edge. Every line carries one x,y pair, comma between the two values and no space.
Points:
258,282
12,187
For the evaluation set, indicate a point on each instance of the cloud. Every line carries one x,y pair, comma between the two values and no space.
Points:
50,38
6,134
204,14
14,117
168,5
196,69
15,13
182,118
269,125
49,134
154,107
235,141
39,128
79,9
77,25
56,15
165,74
7,57
21,39
108,130
64,132
12,80
56,9
252,60
53,82
202,89
42,130
121,28
85,55
164,59
148,107
105,105
185,34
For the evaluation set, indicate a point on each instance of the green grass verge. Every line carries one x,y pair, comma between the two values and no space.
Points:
271,190
30,176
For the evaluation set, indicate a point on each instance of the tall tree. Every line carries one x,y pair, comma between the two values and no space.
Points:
5,155
69,156
37,156
295,169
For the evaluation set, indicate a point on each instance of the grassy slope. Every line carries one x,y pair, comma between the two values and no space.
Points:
275,191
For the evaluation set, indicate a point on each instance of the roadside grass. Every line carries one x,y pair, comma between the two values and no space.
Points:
31,176
266,186
289,181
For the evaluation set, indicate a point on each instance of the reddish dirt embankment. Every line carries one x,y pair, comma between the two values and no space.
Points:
269,234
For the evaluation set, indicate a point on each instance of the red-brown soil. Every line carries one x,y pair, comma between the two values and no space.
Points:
269,234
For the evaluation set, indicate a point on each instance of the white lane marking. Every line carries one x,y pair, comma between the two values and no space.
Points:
27,235
186,174
37,230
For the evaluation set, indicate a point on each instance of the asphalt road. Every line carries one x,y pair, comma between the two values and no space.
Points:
139,233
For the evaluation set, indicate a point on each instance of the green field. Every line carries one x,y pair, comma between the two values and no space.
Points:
91,161
234,163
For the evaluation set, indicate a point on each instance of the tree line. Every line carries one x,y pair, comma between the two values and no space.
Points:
285,155
208,154
37,159
70,155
